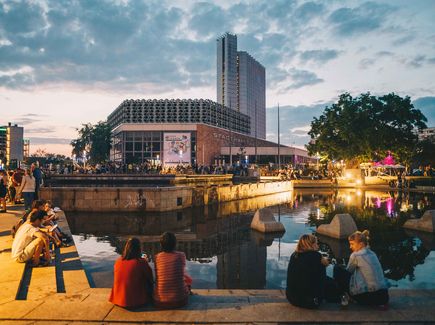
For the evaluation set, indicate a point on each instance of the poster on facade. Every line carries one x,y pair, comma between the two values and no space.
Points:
177,148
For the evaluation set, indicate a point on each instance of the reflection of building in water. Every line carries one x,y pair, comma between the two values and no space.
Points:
243,266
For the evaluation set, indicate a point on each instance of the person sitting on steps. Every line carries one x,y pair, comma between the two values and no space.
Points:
172,283
30,242
363,279
306,274
133,278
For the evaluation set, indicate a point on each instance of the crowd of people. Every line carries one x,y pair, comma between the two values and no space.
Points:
20,184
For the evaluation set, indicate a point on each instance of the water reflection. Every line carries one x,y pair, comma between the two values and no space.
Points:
223,252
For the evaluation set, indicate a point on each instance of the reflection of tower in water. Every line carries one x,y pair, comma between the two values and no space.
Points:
243,266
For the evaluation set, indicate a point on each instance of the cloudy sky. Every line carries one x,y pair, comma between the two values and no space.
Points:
63,63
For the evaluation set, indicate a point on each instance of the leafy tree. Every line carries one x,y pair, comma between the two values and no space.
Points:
366,127
424,153
94,141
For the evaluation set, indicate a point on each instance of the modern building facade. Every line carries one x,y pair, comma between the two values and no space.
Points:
11,145
251,92
241,83
188,131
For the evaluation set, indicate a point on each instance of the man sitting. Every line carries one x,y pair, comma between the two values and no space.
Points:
30,242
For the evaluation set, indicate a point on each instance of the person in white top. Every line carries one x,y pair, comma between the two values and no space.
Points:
27,189
30,241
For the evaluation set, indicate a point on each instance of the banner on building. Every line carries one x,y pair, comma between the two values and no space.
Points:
176,148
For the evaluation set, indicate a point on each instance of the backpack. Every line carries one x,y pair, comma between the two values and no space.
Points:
20,222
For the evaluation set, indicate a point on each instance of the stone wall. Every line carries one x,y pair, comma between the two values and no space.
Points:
119,199
106,199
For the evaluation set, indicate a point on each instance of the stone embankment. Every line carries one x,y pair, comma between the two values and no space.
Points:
107,199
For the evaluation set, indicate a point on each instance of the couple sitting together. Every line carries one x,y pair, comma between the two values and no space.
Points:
133,284
362,280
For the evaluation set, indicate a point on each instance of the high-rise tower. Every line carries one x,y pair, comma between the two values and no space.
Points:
227,70
241,83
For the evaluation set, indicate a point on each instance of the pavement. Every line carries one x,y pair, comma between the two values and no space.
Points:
60,294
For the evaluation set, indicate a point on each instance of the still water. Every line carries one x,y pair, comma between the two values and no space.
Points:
224,253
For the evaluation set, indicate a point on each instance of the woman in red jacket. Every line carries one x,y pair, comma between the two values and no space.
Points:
133,280
172,283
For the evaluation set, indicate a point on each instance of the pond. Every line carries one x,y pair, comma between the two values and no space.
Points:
223,252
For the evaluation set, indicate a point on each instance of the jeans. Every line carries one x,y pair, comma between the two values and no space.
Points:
28,199
375,298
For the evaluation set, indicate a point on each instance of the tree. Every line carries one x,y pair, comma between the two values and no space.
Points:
94,141
366,127
424,153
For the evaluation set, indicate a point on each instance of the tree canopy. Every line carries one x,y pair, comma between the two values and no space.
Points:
366,128
94,140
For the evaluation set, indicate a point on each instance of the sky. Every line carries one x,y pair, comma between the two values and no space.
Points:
64,63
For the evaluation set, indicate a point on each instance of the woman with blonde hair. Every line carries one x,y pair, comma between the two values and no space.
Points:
363,279
306,274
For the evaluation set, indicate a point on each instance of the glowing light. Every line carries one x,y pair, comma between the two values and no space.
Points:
358,193
348,175
358,182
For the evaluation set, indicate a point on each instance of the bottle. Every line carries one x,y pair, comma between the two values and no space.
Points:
344,300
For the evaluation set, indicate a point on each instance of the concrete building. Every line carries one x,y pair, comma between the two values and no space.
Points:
241,83
189,132
427,134
11,145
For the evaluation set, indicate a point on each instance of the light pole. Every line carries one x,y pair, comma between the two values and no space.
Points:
231,135
256,157
279,145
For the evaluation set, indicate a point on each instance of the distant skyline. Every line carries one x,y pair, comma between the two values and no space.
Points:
67,63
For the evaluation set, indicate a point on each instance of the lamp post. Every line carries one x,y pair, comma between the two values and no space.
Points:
256,157
279,145
231,136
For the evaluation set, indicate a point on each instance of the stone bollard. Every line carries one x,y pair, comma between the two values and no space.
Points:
341,226
265,222
425,223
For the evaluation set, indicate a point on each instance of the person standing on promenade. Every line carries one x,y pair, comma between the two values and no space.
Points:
4,181
306,274
37,173
16,179
363,278
133,278
172,283
27,189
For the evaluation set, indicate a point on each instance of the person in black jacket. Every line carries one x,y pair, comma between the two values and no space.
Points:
306,274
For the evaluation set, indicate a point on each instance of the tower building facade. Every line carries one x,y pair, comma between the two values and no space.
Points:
241,83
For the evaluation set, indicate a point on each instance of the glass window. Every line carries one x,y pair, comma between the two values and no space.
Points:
129,146
138,146
156,136
156,146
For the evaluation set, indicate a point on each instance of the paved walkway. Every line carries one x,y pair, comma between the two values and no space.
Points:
61,294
